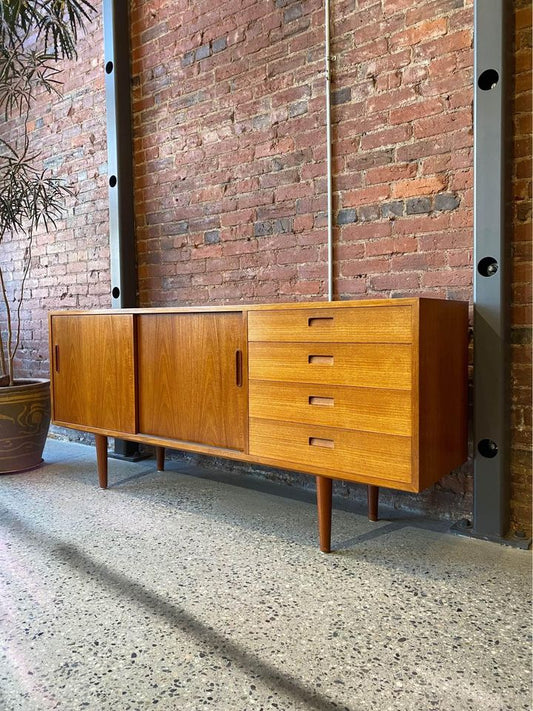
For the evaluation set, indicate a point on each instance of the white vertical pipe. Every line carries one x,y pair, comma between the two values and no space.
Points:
328,154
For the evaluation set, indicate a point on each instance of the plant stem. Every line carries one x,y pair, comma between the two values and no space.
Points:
14,348
9,329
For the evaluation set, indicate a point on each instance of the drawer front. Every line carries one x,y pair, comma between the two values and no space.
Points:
367,409
358,453
365,324
369,365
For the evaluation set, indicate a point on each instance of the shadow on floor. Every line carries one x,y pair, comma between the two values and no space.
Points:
389,520
154,603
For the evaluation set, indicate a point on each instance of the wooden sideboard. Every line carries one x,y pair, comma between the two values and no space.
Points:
367,391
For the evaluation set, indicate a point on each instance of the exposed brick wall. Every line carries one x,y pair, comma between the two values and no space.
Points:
230,145
70,264
230,170
522,271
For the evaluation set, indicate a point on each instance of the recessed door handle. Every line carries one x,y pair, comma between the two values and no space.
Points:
238,368
56,358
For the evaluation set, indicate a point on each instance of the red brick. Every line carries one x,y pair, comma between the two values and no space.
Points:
443,124
418,261
363,267
386,137
391,282
387,100
454,277
366,196
424,31
390,173
418,186
412,111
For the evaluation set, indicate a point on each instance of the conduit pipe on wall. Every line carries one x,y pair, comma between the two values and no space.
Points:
328,152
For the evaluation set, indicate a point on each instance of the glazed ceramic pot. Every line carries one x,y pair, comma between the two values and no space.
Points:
24,423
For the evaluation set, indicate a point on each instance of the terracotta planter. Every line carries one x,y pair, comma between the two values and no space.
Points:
24,423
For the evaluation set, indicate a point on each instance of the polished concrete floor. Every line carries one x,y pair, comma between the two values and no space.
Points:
194,590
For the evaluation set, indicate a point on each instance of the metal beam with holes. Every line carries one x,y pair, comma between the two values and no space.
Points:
120,168
119,153
491,281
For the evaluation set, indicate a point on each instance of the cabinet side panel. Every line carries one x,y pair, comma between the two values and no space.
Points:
443,380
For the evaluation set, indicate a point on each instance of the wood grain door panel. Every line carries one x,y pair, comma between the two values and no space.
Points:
370,324
94,371
363,365
348,452
368,409
192,378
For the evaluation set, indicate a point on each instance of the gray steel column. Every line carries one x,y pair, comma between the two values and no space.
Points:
120,153
491,282
120,167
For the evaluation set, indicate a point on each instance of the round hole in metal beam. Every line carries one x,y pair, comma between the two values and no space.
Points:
487,448
487,266
116,292
488,79
109,67
112,181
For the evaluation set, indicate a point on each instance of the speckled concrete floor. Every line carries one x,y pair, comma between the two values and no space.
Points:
183,591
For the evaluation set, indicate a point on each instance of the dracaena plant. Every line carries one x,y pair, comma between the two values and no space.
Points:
35,35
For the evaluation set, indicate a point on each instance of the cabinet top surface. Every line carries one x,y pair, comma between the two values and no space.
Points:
410,301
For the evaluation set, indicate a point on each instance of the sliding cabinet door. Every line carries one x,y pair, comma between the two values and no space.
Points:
192,378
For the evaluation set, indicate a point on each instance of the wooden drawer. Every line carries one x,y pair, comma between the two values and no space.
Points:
367,409
367,365
364,324
348,452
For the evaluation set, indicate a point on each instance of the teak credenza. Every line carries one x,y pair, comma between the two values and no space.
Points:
367,391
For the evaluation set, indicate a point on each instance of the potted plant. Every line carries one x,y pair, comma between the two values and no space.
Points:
34,36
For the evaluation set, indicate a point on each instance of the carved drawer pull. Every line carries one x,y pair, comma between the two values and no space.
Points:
321,442
320,321
320,359
322,401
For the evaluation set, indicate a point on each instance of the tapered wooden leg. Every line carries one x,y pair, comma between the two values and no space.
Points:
323,499
160,458
101,459
373,496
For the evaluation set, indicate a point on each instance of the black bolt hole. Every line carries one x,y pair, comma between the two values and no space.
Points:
116,292
113,181
488,79
487,448
487,266
109,67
